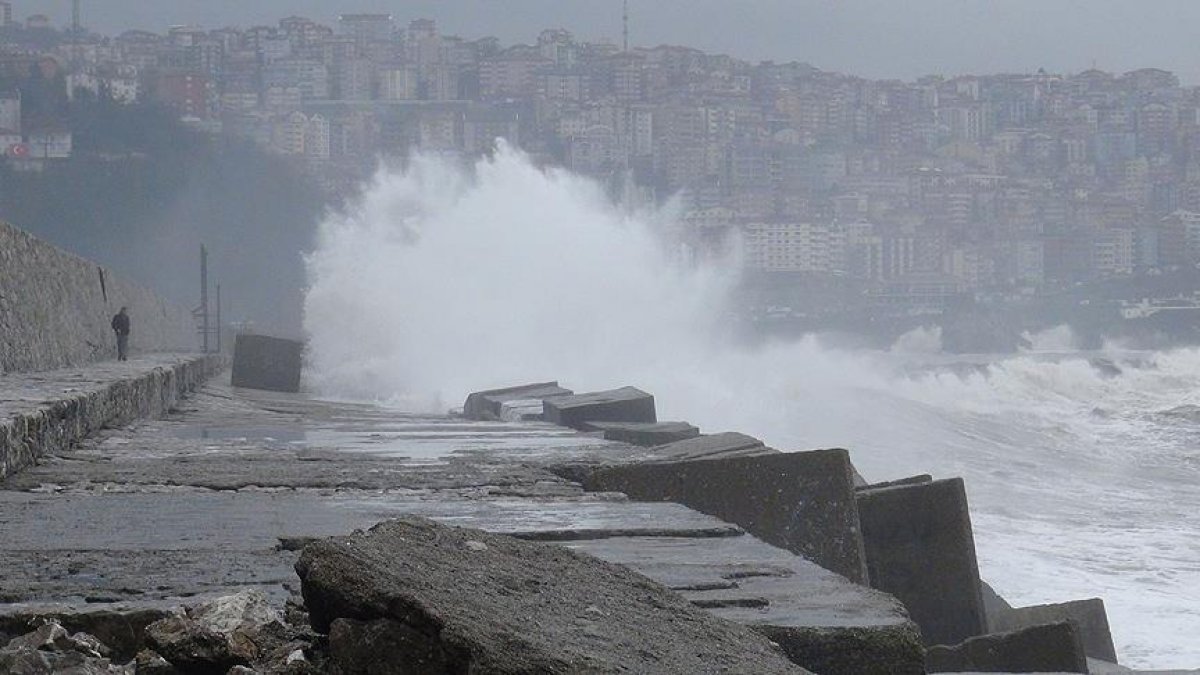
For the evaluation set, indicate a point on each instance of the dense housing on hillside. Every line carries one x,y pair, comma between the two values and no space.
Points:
1013,182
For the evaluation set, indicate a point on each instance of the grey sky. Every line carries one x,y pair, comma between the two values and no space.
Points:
873,38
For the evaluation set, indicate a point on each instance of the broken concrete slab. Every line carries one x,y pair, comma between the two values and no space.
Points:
823,622
1088,616
265,362
627,404
803,502
920,548
644,434
1049,648
470,600
487,405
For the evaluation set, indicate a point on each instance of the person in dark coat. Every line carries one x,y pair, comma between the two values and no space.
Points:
120,326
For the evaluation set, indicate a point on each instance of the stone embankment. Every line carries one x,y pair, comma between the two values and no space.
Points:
47,412
55,309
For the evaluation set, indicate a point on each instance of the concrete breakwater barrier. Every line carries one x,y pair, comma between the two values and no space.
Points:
251,498
910,538
48,411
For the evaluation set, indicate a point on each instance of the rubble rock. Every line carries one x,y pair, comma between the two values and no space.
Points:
121,631
190,646
232,630
150,662
51,649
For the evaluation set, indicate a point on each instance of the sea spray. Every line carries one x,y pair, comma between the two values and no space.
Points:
1081,468
444,280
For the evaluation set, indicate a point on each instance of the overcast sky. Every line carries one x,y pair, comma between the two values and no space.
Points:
874,38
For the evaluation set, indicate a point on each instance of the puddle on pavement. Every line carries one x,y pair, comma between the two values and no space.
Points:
279,434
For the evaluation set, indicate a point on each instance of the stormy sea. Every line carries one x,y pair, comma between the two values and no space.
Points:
1081,467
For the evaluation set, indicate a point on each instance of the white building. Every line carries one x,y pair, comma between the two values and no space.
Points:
316,137
49,144
399,83
10,112
795,247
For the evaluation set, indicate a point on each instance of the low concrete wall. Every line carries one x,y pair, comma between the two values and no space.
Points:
55,309
53,417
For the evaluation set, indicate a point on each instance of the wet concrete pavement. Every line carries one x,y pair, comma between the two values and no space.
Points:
218,495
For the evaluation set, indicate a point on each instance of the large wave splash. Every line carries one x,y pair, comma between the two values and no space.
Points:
445,279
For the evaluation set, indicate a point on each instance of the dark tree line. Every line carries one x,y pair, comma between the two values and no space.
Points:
142,192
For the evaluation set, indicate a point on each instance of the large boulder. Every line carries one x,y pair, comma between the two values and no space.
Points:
436,599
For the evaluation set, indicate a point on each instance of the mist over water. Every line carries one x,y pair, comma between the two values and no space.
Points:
1081,467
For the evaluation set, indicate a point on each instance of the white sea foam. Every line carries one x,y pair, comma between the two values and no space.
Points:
1081,472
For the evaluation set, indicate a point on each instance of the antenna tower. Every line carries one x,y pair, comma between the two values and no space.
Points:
624,21
76,31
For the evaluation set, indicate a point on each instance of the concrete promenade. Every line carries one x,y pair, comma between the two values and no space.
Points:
220,493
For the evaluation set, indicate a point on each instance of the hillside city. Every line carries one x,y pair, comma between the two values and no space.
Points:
915,193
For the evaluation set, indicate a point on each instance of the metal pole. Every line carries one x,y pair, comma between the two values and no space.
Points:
218,318
204,296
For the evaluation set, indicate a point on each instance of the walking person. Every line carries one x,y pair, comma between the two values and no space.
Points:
120,326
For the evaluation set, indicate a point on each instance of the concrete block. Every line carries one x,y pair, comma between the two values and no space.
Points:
711,446
627,404
920,548
487,405
1049,648
802,502
1088,616
264,362
644,434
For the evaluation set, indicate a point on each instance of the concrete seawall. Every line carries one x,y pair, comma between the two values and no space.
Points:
55,309
38,415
